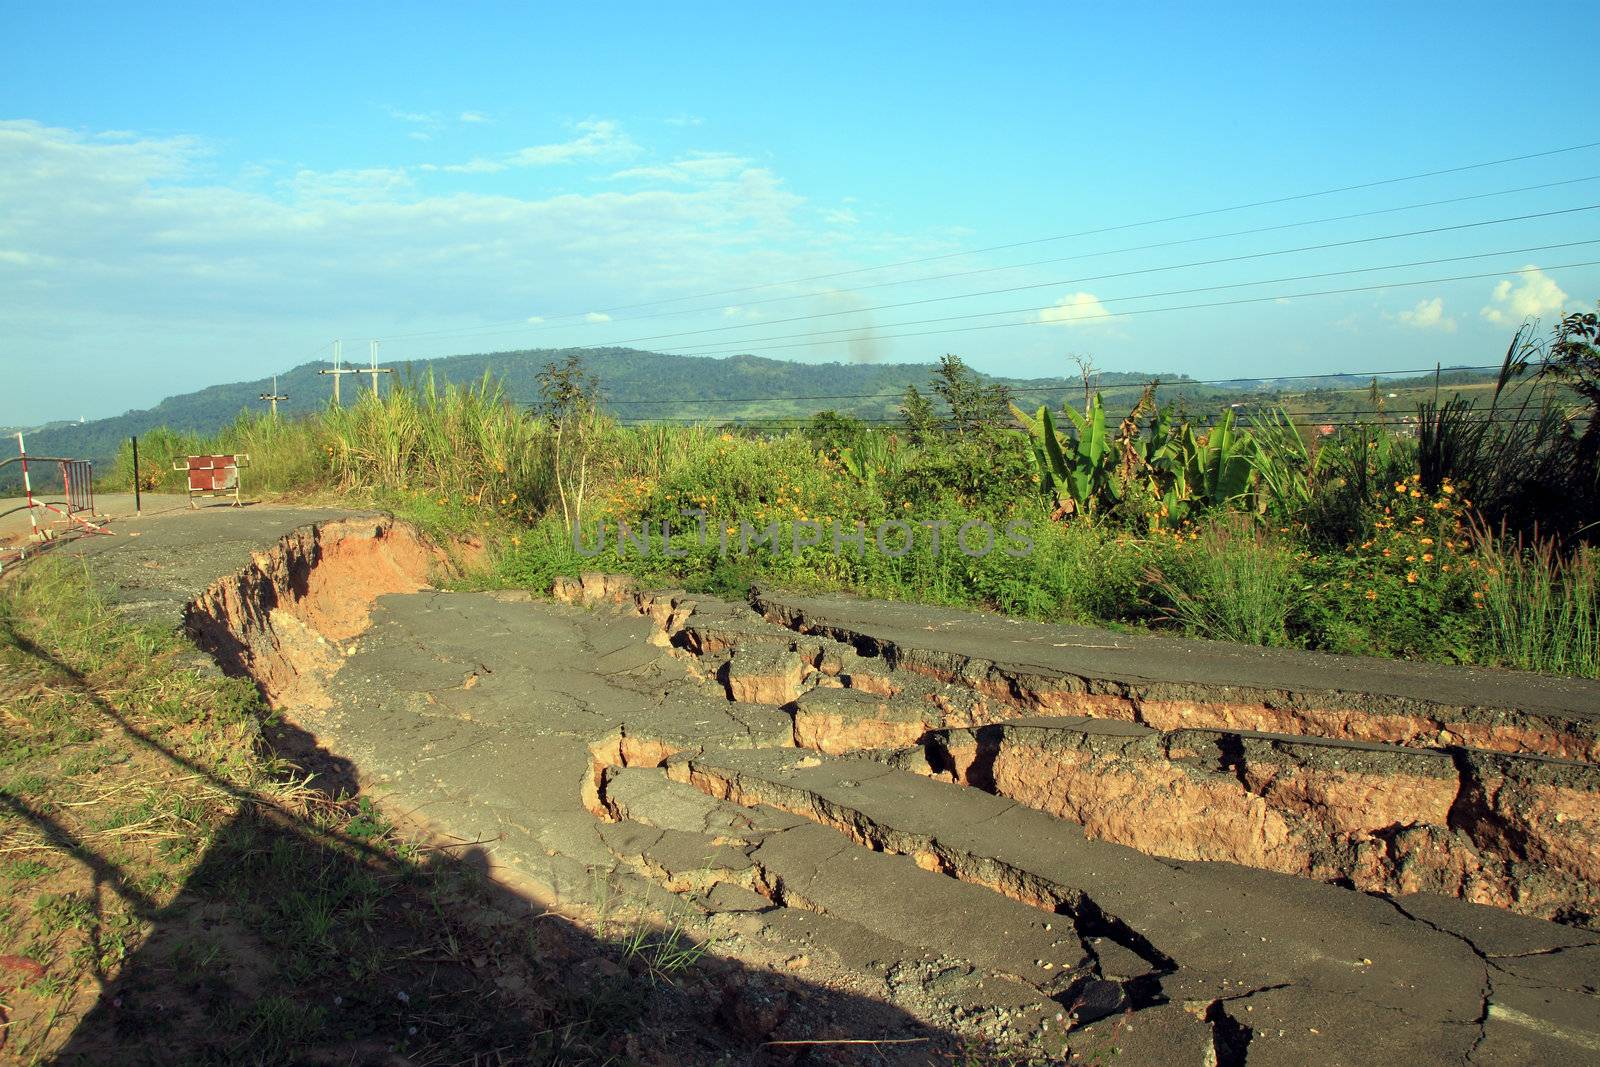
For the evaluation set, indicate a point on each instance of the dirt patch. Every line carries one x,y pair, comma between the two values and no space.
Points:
284,620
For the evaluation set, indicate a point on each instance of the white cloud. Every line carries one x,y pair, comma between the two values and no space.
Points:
598,140
416,118
684,120
1512,304
840,217
1428,315
696,167
370,183
125,244
534,320
1077,309
474,116
597,316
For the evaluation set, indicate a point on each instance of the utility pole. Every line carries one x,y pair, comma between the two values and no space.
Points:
275,396
338,371
374,369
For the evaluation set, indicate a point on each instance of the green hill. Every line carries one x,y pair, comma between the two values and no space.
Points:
650,386
637,386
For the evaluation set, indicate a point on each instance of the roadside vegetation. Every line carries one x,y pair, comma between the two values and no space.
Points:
1456,531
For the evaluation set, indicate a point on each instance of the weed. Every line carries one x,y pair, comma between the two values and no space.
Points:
24,870
58,913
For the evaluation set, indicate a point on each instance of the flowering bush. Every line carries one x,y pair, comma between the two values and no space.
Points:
1407,588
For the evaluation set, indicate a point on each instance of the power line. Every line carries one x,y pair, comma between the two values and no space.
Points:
1060,237
1130,225
1094,278
814,336
522,326
1176,307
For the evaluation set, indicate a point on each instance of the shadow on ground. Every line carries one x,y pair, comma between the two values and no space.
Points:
310,932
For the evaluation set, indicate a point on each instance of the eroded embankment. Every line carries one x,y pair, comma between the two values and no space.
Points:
284,620
1517,832
1011,689
1422,812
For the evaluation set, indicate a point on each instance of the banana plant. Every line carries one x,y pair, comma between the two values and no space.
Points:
1218,466
1286,468
1078,471
857,467
1162,454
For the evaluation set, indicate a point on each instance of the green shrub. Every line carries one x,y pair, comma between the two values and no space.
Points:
158,448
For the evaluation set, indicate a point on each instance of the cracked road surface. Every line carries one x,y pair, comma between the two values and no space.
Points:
1195,854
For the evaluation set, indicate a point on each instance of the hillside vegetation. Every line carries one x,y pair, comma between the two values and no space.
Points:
1465,537
650,386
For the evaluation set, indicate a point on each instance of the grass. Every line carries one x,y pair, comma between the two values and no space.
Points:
1543,612
1231,583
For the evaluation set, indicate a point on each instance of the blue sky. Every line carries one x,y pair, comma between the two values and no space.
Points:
192,193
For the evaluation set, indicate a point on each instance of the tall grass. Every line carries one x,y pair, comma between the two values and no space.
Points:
1231,583
466,438
1543,609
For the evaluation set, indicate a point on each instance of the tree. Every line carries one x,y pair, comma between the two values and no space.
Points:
916,411
972,404
1091,378
1574,361
569,401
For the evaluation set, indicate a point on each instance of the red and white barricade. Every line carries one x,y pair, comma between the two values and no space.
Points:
213,475
77,485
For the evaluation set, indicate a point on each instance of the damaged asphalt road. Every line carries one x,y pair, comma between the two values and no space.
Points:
1204,859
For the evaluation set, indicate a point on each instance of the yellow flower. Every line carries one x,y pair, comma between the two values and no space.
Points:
1425,540
1427,557
1411,577
1447,488
1372,594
